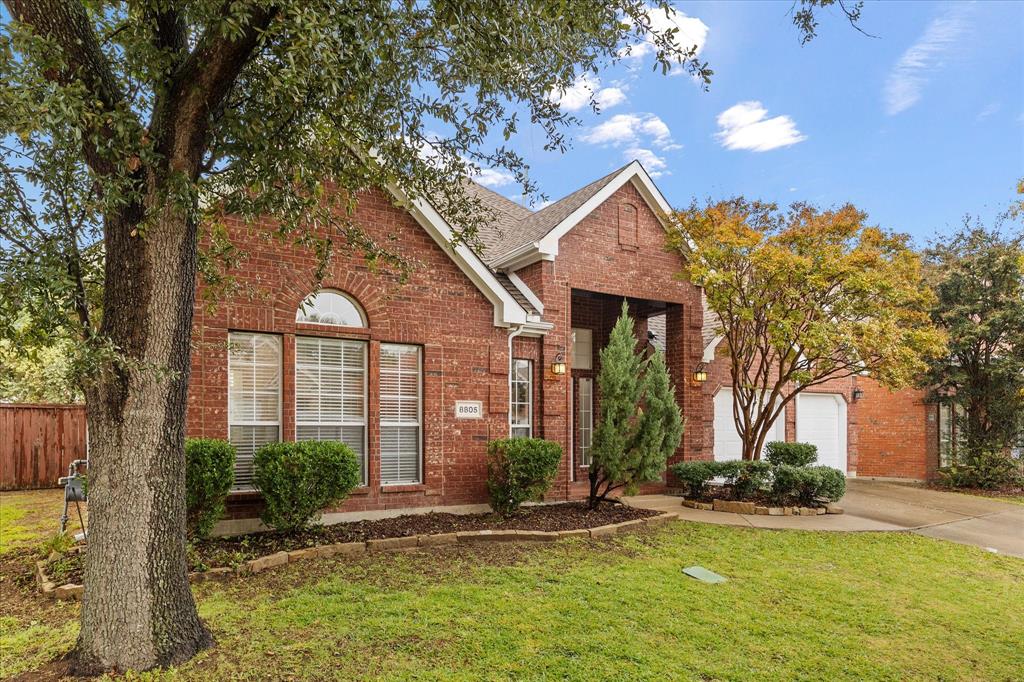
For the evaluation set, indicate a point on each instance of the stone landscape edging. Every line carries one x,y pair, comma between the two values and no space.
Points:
738,507
258,565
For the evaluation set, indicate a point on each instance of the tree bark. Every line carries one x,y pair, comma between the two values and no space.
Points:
137,609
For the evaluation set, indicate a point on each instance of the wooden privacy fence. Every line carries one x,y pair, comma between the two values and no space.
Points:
37,442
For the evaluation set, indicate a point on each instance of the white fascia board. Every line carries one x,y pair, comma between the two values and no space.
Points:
526,291
507,310
635,173
709,350
537,328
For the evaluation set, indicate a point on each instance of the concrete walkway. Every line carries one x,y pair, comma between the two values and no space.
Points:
883,506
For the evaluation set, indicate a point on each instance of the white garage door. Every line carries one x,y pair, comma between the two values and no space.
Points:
728,445
821,420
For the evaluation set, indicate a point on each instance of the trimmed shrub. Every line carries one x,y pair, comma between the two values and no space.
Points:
751,477
794,454
832,485
209,473
746,478
983,469
695,475
805,485
520,469
297,480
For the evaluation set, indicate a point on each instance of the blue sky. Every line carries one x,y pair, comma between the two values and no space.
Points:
918,126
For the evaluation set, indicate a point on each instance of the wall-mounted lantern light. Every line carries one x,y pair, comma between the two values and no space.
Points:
858,393
700,373
558,366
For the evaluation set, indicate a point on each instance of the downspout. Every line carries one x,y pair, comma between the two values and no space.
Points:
513,333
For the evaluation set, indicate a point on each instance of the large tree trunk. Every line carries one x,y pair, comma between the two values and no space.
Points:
137,610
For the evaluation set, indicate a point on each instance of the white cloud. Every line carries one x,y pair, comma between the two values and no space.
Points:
911,73
690,32
493,177
745,126
609,97
654,165
586,86
629,129
992,108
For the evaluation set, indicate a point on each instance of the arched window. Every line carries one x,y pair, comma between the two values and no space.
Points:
331,307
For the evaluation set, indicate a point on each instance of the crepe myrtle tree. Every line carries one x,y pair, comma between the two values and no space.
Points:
801,297
129,130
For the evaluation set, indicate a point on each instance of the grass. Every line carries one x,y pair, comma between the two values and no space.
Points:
798,605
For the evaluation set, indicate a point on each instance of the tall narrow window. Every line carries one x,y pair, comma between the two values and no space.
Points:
330,392
585,418
254,398
521,405
400,414
582,349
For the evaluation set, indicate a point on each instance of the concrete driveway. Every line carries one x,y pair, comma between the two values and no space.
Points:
883,506
966,519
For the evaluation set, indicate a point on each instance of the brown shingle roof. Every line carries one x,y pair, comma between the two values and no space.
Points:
511,226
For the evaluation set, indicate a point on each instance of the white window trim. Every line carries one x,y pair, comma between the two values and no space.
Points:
311,298
419,417
529,399
280,396
366,398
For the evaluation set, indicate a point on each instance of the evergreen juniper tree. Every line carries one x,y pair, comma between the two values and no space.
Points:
639,424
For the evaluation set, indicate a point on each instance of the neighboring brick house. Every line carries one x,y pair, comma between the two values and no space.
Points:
858,425
417,376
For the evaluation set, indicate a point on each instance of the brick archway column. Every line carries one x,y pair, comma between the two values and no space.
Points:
682,358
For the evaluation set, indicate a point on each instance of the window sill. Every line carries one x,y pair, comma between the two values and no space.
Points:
361,490
404,488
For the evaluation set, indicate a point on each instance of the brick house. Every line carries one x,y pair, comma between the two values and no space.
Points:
859,426
418,376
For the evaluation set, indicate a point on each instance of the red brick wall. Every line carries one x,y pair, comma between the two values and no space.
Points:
595,257
895,429
464,356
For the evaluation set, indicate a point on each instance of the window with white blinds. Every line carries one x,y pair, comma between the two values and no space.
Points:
254,398
401,412
330,393
521,403
585,418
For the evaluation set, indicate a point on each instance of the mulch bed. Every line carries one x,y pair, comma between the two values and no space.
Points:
232,551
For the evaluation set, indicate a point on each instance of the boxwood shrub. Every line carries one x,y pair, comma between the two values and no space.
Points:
520,469
209,473
746,478
695,475
298,480
794,454
750,478
806,485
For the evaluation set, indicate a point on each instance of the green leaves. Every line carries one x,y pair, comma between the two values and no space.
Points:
804,296
978,277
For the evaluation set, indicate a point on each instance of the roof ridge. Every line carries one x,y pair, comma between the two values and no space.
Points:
536,225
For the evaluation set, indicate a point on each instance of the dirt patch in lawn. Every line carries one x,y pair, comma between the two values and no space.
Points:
232,551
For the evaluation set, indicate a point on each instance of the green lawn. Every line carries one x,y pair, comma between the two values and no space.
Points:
812,606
